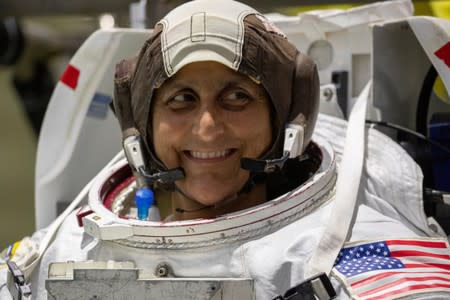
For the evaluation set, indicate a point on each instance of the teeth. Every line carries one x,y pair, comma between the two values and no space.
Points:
205,155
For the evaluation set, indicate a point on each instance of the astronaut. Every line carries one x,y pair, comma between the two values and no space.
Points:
217,113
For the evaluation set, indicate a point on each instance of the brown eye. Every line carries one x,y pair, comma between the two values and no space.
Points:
236,100
181,101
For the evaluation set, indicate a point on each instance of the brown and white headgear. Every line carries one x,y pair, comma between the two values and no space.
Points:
242,39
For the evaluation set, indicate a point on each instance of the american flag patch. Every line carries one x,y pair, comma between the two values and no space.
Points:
390,269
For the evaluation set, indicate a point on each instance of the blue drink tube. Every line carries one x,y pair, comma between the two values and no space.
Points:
143,199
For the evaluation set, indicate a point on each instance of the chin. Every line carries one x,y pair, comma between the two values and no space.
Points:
212,198
211,194
210,190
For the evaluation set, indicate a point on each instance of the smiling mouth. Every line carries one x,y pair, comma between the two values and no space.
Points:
209,155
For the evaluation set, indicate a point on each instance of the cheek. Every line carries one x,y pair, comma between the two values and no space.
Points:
157,134
167,134
263,136
255,131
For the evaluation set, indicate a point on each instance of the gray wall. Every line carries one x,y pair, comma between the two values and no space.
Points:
17,155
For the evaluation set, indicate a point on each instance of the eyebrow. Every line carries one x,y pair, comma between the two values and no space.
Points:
236,82
181,85
186,84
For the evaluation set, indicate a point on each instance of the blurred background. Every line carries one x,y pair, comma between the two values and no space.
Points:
37,40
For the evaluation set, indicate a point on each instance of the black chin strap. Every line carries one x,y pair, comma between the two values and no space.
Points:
264,166
258,169
164,177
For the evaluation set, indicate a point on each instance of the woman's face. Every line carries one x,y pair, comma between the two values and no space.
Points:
205,119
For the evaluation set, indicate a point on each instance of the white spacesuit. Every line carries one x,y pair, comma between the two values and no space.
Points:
389,199
389,248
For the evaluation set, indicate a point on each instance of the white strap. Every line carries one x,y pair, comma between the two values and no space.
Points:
347,185
53,228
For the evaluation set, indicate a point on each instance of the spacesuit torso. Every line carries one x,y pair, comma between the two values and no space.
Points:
271,243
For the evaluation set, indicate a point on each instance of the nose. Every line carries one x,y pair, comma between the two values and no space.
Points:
209,125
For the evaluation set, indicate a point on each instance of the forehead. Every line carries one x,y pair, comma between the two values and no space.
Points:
209,74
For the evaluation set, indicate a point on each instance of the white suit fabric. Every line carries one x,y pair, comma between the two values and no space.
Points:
389,206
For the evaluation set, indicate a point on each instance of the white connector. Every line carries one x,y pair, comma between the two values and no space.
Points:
293,140
133,152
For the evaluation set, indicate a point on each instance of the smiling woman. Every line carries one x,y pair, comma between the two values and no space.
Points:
211,94
217,112
205,119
